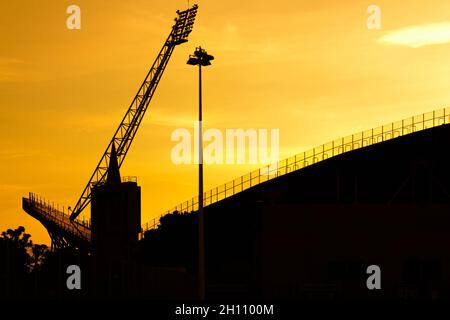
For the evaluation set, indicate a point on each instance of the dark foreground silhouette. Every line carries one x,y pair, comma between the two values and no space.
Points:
311,234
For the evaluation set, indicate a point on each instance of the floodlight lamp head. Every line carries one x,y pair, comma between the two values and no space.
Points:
200,57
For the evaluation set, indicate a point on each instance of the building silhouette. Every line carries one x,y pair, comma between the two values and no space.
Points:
116,223
312,233
307,230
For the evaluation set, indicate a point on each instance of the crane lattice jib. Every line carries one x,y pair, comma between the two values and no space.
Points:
125,133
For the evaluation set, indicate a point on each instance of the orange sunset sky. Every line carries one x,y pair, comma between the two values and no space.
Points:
312,69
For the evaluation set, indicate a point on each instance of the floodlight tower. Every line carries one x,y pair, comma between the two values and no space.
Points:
125,133
201,59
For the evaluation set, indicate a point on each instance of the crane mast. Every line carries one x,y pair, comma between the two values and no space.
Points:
125,133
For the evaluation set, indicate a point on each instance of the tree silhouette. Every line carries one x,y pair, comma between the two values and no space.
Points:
39,254
15,262
173,243
15,244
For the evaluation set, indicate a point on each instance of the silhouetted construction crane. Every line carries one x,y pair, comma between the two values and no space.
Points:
125,133
59,225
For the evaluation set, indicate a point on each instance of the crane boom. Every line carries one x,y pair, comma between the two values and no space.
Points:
125,133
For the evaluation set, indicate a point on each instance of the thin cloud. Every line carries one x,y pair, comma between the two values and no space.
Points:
8,67
419,36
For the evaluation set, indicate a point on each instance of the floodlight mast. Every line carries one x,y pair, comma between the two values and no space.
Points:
125,133
201,59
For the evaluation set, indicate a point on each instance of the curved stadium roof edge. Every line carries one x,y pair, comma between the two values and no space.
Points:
325,151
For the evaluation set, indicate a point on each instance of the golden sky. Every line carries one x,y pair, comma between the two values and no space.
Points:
312,69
